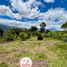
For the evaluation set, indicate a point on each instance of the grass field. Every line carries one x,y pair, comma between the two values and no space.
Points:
52,50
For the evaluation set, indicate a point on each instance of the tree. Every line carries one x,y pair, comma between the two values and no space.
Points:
39,36
23,36
47,31
42,25
33,28
9,35
1,32
64,26
17,31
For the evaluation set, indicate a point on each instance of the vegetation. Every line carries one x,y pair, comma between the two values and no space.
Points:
58,35
49,49
3,64
42,25
33,28
47,45
9,35
1,32
64,26
40,37
24,36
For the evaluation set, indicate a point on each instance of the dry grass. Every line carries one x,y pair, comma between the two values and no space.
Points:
12,52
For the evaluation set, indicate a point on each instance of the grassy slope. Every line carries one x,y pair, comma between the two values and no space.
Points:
54,51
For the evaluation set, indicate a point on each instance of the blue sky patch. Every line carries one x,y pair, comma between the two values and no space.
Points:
34,11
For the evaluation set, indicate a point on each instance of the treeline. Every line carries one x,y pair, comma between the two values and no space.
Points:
24,34
61,35
20,34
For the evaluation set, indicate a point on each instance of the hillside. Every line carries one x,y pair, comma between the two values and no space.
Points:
52,50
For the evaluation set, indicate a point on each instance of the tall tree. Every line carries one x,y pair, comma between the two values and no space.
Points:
64,26
42,25
33,28
1,32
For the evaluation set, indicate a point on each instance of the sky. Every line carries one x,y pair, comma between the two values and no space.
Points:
26,13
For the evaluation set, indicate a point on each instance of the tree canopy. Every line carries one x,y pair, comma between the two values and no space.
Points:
64,25
33,28
43,24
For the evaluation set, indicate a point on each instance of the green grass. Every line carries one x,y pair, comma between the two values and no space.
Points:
53,50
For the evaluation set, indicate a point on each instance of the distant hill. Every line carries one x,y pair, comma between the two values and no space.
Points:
5,27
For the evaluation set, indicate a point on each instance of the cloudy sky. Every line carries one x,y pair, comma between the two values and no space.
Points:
25,13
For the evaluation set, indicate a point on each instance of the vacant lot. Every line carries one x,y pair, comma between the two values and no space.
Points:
52,50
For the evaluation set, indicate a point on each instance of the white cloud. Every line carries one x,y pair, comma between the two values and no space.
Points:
25,10
27,25
48,17
4,10
18,24
49,1
54,14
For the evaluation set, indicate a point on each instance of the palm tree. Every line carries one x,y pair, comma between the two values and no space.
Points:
42,25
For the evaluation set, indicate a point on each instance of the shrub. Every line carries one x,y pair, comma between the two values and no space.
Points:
40,37
2,39
3,64
47,31
1,32
23,36
9,35
28,35
64,38
34,33
49,34
58,35
16,31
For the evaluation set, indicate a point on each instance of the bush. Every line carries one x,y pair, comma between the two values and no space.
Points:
34,34
45,35
58,35
64,38
2,39
3,64
49,34
1,32
28,35
47,31
23,36
39,37
16,31
9,35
